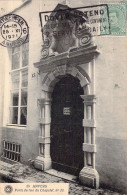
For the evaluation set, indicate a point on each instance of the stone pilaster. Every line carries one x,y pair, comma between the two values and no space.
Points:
88,175
43,160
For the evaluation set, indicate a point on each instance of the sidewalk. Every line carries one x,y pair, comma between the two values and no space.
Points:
20,173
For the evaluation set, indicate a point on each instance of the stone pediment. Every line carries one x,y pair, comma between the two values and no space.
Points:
73,58
65,28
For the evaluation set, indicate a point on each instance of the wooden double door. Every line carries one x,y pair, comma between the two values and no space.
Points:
67,113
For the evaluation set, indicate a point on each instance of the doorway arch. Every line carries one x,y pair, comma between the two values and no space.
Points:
67,132
44,159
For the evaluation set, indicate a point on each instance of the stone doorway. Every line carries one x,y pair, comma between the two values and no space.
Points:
88,175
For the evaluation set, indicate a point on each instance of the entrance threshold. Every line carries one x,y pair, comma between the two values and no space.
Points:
62,175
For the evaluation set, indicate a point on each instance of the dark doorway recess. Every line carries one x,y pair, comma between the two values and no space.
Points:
67,113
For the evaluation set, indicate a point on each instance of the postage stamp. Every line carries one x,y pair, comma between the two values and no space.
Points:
117,19
13,30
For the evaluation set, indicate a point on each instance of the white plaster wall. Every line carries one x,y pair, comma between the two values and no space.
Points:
111,87
111,112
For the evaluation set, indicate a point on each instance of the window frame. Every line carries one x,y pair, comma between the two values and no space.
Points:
20,69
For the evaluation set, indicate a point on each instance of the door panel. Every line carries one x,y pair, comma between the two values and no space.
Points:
67,132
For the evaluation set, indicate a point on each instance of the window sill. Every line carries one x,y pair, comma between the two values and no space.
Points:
16,126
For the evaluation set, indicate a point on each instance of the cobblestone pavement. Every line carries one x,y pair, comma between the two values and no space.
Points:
25,173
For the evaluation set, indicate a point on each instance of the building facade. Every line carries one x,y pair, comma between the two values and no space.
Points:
64,98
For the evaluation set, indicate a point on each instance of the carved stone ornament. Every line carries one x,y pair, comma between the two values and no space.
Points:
64,32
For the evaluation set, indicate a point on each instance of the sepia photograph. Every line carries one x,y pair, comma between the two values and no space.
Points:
63,97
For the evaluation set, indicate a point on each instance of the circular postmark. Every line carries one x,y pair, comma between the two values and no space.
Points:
8,189
13,30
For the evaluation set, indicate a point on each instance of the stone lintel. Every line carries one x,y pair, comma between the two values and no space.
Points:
83,51
89,147
89,177
89,123
50,63
75,56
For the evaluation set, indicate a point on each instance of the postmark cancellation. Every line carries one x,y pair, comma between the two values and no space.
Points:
13,30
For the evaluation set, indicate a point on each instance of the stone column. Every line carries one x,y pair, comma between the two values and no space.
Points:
43,160
88,175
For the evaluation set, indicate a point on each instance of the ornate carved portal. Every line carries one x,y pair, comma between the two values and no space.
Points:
58,60
64,29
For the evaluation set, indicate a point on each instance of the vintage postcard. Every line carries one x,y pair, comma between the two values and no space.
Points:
63,97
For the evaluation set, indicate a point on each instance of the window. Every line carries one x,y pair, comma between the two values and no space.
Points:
19,83
11,151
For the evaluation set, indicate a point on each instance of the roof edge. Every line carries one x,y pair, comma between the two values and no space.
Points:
22,5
